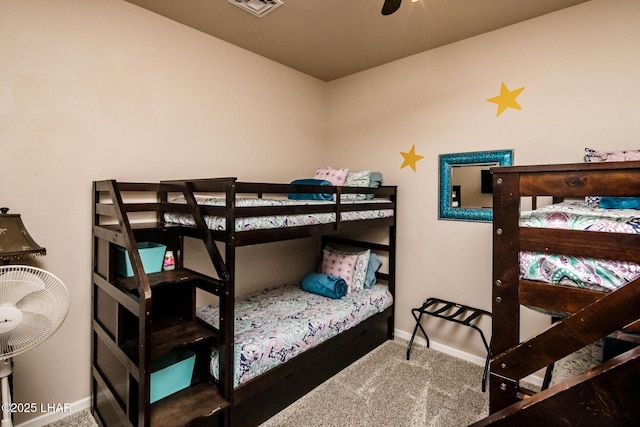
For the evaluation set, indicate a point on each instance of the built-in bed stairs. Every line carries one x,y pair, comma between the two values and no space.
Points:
606,395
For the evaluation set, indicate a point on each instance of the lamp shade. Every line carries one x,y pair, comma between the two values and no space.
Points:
15,241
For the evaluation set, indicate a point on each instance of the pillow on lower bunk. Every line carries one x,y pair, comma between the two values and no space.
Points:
340,265
374,265
362,264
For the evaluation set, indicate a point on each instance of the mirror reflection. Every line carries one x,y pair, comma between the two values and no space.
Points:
472,186
466,184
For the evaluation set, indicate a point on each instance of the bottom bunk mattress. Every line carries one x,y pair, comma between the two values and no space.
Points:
588,273
276,324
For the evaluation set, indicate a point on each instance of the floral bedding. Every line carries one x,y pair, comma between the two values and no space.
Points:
590,273
276,324
278,221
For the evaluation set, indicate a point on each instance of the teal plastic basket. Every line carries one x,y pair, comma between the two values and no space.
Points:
171,373
152,255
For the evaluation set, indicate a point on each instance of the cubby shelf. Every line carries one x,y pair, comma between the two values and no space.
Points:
145,317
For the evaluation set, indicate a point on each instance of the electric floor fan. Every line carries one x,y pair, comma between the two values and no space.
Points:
33,305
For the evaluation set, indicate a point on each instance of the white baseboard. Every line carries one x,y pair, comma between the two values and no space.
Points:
51,415
477,360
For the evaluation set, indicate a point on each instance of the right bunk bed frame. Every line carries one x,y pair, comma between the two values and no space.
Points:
138,318
607,393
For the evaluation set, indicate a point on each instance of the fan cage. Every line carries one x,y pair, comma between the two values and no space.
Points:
43,300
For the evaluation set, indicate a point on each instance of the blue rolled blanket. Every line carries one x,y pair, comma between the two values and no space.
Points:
325,285
310,196
619,202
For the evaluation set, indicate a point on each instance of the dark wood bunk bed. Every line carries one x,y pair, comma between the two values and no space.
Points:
146,316
606,394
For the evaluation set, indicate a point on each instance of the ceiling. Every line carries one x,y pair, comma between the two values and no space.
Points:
329,39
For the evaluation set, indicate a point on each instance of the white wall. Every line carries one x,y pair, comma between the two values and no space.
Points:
580,69
103,89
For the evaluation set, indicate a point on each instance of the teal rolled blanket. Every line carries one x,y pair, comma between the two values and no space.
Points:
310,196
325,285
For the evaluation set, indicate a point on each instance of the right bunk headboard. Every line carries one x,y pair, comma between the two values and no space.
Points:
514,187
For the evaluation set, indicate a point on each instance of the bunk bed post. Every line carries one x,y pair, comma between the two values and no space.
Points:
392,267
505,305
95,198
227,304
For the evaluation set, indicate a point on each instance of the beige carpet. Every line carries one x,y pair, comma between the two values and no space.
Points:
79,419
383,389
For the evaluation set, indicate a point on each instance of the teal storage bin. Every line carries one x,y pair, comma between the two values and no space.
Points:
152,255
171,373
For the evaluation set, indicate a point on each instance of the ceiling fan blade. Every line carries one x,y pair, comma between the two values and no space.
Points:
390,6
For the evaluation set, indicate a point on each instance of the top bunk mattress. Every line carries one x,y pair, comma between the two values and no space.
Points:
277,221
588,273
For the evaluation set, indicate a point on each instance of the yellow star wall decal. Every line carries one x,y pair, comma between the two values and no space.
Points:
506,99
411,158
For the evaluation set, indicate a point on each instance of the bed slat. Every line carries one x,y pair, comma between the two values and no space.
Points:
556,298
595,244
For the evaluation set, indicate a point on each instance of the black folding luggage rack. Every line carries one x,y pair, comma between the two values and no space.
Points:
454,312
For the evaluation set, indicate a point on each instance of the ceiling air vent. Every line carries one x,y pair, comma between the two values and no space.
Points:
257,8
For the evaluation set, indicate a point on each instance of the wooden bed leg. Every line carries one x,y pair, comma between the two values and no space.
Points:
502,391
505,305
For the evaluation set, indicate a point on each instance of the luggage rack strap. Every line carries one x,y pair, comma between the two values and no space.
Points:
454,312
447,305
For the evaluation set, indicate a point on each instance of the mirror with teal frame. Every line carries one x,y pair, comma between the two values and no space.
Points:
452,168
